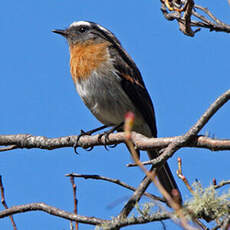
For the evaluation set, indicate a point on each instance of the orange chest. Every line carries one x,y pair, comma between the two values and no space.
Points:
86,58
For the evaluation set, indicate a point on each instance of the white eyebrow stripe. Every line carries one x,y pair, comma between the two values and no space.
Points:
79,23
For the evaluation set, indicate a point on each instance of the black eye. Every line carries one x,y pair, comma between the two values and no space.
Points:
82,29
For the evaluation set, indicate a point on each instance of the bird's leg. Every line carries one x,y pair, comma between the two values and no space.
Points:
83,133
108,132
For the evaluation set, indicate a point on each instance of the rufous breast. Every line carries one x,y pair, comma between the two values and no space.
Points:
87,57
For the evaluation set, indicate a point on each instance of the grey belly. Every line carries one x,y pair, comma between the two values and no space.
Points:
108,102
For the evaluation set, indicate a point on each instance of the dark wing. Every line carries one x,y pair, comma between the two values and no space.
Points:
133,85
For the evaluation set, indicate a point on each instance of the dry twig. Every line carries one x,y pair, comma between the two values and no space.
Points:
134,198
22,141
221,184
115,181
81,219
3,200
182,177
187,11
74,199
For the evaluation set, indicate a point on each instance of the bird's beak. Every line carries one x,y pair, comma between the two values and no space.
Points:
62,32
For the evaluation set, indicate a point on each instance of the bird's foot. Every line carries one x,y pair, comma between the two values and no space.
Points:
88,133
107,133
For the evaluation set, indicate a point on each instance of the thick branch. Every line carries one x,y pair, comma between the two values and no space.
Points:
141,142
192,132
111,224
171,145
52,211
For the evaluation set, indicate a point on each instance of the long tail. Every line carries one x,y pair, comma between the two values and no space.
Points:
166,178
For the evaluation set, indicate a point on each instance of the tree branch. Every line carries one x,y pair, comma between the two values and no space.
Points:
20,141
221,184
135,197
115,181
159,216
190,139
192,132
111,224
185,11
3,200
52,211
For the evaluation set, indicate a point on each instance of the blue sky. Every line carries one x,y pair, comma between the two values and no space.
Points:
183,75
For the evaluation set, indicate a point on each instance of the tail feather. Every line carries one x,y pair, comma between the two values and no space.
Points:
166,178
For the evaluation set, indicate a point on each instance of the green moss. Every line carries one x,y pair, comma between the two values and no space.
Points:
207,203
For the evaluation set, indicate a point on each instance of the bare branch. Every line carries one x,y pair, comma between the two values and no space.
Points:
115,181
192,132
29,141
221,184
185,27
135,197
11,147
159,216
188,10
74,199
141,142
3,200
83,219
205,10
52,211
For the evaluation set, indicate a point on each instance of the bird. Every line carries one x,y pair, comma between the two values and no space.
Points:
110,84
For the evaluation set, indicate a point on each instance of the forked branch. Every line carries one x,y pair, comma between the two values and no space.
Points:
189,15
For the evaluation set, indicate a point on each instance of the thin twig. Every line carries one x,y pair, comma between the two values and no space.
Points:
3,200
184,17
74,199
115,181
134,198
208,12
8,148
221,184
182,177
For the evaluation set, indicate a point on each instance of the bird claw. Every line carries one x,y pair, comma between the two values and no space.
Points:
106,134
83,133
112,146
75,146
89,149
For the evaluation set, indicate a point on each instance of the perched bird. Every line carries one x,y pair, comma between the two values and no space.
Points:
110,84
